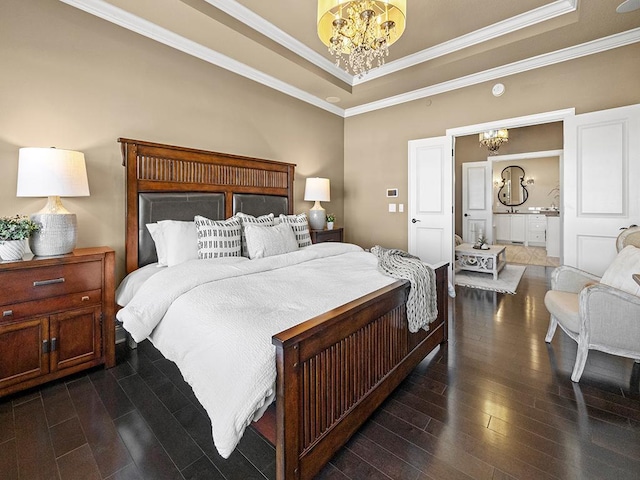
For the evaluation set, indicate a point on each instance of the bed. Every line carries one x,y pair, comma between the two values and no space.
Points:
333,369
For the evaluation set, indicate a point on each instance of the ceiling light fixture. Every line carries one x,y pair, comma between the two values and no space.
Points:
361,30
492,139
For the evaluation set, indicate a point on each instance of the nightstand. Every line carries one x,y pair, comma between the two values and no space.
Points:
57,316
319,236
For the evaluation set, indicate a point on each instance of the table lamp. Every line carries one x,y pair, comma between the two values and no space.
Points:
52,173
317,190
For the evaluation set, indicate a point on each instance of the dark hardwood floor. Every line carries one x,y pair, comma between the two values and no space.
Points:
496,402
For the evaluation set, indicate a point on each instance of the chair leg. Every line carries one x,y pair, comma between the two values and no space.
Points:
581,360
553,324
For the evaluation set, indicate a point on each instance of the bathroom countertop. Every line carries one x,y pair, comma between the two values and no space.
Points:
548,213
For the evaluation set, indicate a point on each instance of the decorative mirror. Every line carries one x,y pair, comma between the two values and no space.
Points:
512,191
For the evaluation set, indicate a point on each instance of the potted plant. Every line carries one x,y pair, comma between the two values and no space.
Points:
13,233
330,219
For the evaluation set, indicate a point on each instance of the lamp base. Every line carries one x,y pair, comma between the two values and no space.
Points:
57,235
317,217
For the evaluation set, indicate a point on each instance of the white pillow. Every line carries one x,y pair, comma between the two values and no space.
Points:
245,219
300,226
619,274
156,234
181,241
218,238
264,241
176,241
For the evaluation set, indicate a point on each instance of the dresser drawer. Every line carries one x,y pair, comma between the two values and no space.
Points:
28,284
17,311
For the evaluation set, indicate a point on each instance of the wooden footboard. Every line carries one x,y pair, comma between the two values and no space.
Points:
336,369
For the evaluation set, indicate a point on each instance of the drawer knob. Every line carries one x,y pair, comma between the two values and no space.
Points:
85,298
40,283
7,313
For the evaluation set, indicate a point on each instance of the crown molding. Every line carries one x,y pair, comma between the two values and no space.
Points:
259,24
106,11
519,22
132,22
544,60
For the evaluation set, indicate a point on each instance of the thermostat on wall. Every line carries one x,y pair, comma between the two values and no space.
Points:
392,192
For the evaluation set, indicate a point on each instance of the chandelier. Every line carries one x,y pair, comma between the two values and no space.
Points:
492,139
361,30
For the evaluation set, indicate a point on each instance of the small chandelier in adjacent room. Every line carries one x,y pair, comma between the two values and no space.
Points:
492,139
361,30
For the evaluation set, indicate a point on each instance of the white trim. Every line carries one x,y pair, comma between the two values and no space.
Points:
515,122
526,155
544,60
132,22
259,24
510,25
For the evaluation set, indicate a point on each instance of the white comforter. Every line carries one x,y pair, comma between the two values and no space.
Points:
215,319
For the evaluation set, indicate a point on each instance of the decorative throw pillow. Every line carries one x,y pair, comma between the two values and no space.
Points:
300,226
266,241
218,238
245,219
619,274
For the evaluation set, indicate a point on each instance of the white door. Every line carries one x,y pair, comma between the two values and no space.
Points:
431,200
600,177
476,201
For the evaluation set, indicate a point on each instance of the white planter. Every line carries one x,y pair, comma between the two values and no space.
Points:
12,249
329,225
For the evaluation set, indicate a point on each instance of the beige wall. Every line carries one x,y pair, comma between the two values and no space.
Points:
77,82
376,143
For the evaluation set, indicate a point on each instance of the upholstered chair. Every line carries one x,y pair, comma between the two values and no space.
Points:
599,313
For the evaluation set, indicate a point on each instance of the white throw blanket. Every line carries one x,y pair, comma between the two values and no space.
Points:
215,320
422,306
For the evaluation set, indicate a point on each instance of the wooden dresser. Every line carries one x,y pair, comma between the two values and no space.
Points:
57,316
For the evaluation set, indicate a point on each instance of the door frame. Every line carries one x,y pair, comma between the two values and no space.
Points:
515,122
541,154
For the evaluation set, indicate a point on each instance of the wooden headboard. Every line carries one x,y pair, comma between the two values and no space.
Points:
153,168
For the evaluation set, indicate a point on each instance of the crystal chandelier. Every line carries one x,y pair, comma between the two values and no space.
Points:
492,139
361,30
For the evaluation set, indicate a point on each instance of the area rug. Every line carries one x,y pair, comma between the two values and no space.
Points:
507,281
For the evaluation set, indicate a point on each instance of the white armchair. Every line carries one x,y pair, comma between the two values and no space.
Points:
598,315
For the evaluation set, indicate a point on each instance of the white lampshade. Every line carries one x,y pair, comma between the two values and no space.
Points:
52,173
317,189
47,172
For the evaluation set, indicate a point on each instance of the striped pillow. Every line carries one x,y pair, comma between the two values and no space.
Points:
300,226
218,238
245,219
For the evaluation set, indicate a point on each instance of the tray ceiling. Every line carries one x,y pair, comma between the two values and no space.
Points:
447,44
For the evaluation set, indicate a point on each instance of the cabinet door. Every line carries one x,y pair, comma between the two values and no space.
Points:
518,228
503,227
24,348
76,337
